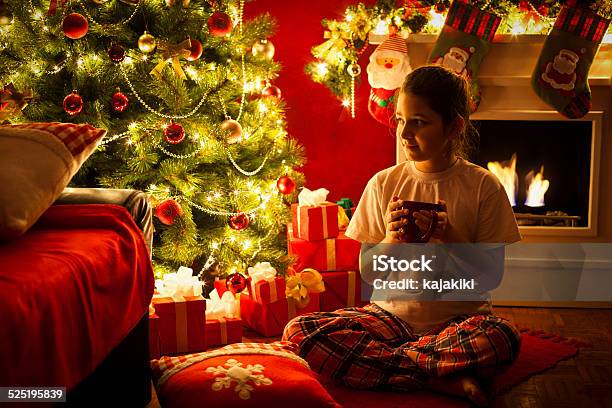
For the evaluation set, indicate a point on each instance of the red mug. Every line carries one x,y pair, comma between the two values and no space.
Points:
410,232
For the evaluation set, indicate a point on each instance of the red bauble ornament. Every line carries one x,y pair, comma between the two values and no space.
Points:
168,211
236,283
219,24
271,91
73,104
120,102
196,50
174,133
116,53
285,185
75,26
239,221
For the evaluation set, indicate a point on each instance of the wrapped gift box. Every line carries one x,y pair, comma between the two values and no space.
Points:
270,319
315,222
265,292
342,289
220,285
154,350
180,324
225,330
333,254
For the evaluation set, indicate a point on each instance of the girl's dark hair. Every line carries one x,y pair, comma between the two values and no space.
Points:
447,94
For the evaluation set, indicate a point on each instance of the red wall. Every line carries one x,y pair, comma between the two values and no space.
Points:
342,153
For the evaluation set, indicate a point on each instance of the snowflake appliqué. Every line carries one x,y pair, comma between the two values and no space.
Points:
242,375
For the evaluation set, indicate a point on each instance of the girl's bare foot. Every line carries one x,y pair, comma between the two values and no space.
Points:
459,386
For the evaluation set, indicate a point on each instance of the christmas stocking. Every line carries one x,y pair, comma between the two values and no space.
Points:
561,73
464,41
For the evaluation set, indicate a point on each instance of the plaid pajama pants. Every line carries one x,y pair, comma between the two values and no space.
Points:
368,347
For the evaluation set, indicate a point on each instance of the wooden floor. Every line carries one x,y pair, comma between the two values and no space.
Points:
581,382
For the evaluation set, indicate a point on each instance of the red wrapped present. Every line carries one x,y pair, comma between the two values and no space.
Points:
220,285
333,254
342,289
180,324
265,291
154,351
315,222
270,320
226,330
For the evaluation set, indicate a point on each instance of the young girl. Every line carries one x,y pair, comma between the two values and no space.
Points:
408,344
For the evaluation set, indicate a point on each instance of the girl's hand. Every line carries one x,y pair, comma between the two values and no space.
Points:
423,221
394,222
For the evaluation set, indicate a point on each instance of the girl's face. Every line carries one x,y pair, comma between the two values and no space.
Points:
422,131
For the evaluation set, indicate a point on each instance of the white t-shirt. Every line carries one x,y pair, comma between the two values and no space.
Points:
477,206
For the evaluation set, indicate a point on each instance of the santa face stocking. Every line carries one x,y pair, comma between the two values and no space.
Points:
561,73
464,42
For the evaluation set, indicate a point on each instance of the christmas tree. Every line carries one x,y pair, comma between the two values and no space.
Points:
185,89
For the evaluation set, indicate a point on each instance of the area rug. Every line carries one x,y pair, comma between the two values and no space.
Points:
539,352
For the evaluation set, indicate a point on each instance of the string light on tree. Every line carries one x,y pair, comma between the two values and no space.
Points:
73,104
75,26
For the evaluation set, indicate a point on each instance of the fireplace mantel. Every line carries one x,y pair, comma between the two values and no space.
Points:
505,81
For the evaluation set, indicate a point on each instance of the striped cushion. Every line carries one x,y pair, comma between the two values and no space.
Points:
38,161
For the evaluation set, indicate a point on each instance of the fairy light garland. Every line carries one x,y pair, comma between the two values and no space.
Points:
150,109
126,21
114,137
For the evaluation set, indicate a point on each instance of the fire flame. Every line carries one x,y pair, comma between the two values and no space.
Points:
506,173
537,186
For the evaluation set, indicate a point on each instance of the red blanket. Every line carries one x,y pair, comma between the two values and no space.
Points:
71,289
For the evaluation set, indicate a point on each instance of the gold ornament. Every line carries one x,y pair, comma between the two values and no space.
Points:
354,70
232,130
171,3
263,48
146,43
6,16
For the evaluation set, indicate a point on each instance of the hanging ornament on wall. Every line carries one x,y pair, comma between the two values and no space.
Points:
146,43
168,211
232,130
196,50
236,283
75,26
286,185
219,24
238,222
73,103
120,102
174,133
354,70
6,15
271,91
116,53
264,49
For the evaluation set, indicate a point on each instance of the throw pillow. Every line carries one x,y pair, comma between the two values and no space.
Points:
37,162
240,375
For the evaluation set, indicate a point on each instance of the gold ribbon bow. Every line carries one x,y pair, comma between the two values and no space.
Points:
300,285
172,52
331,48
12,101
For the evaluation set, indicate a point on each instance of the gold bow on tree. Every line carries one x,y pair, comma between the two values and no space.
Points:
300,285
172,52
331,48
12,101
